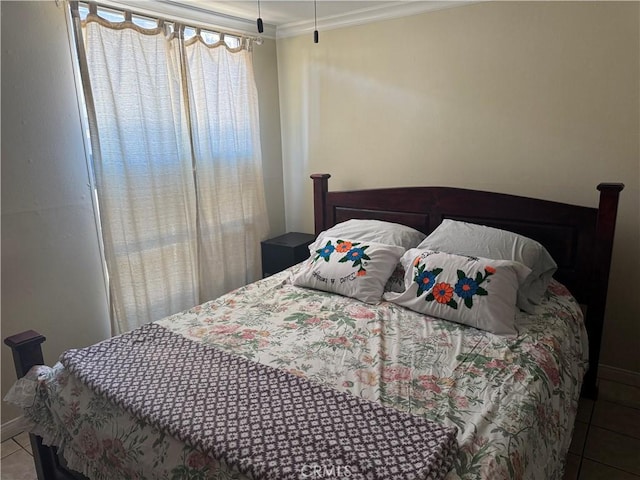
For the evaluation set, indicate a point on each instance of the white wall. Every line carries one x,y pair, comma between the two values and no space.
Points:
534,98
52,277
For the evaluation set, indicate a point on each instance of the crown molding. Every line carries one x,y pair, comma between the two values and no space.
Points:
384,11
190,13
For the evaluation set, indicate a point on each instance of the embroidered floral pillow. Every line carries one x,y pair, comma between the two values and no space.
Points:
478,240
354,269
478,292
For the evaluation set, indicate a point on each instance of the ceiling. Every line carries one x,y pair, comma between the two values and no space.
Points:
282,18
285,12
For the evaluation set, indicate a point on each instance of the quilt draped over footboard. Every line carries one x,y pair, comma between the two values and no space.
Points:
266,422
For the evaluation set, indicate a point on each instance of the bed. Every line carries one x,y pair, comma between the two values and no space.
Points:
512,399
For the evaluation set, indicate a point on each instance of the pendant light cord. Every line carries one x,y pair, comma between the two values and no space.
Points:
315,22
260,24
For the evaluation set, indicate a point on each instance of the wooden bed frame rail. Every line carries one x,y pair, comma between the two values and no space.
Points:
579,238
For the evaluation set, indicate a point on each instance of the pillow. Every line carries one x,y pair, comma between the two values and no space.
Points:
351,268
478,292
395,283
480,241
372,231
375,231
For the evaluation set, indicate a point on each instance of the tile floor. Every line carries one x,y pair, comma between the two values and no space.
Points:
606,439
17,461
605,446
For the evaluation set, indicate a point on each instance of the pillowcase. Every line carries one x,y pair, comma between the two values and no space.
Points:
478,292
372,231
377,231
481,241
351,268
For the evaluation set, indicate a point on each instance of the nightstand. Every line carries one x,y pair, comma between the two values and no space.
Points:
284,251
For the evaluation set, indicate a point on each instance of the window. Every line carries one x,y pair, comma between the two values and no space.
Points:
176,154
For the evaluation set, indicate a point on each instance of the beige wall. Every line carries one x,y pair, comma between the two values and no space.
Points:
266,74
539,99
52,278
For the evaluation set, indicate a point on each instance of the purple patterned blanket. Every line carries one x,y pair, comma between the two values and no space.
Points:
265,422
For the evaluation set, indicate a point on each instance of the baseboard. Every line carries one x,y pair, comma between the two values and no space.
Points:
620,375
13,428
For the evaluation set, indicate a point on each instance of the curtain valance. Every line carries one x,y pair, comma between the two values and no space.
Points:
126,19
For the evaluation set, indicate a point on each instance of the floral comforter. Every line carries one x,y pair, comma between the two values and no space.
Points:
514,400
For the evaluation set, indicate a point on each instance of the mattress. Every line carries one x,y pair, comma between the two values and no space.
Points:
513,399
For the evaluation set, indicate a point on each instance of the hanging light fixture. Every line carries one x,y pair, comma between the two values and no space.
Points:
315,22
260,25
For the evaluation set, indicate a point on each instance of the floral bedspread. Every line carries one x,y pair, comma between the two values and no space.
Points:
514,400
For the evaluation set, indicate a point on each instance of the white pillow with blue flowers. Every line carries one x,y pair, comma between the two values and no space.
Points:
478,240
478,292
354,269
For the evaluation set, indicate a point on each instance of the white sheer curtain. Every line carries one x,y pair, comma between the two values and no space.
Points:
176,154
226,140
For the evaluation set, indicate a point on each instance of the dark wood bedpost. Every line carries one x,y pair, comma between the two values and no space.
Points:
605,229
320,189
27,352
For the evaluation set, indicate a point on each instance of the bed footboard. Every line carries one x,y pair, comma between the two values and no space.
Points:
27,352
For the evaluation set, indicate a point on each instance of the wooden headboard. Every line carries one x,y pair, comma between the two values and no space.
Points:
580,239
